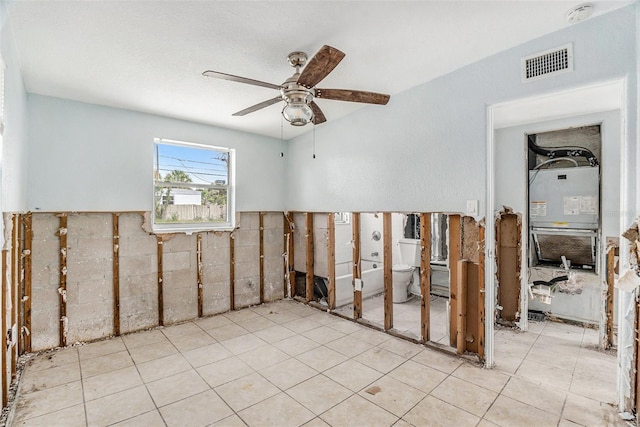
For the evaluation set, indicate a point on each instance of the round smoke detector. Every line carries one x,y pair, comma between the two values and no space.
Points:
579,13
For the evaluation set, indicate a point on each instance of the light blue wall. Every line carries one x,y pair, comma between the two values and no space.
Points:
86,157
14,140
426,150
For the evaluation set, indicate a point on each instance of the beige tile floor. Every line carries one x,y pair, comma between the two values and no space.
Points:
286,364
406,316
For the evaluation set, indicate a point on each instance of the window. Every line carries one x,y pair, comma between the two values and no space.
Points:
193,186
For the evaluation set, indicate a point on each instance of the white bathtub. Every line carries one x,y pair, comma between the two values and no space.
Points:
372,279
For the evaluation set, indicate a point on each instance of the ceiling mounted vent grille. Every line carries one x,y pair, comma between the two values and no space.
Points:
548,63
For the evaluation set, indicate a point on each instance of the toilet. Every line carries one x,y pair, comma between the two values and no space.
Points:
403,272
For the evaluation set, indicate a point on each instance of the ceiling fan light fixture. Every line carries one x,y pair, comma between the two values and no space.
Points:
297,113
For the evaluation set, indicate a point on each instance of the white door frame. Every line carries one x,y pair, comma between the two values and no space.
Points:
625,299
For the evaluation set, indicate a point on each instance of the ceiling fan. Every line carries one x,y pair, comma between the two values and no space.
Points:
299,90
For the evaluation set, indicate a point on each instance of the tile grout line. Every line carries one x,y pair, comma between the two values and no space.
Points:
144,383
84,400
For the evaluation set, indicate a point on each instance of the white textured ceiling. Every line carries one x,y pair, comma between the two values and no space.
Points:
149,55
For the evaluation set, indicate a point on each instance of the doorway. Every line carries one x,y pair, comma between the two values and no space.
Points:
536,344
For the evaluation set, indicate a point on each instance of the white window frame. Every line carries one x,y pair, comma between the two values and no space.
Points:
189,228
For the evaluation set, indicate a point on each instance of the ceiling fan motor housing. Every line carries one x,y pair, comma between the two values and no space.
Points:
297,111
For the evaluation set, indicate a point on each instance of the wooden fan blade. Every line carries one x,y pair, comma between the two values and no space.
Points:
318,115
231,77
320,66
353,96
259,106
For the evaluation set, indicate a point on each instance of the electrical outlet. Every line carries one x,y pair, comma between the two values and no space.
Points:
472,207
357,284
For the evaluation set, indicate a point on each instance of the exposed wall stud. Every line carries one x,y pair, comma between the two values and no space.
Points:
199,274
160,282
62,289
388,278
15,257
611,259
461,306
3,331
26,274
232,272
455,254
261,226
290,274
116,273
481,293
331,259
425,276
309,256
357,270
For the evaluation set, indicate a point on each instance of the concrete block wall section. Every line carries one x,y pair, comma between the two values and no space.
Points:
273,256
247,260
90,283
299,242
89,276
45,320
180,278
138,275
216,270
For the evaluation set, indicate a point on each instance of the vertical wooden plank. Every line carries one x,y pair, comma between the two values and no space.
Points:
508,271
481,293
289,272
309,256
461,306
20,282
455,254
26,266
331,259
116,273
199,276
160,283
62,289
425,276
15,300
388,278
232,272
261,226
3,331
611,257
357,269
471,307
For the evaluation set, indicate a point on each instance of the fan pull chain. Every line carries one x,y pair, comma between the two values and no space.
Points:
281,136
314,140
